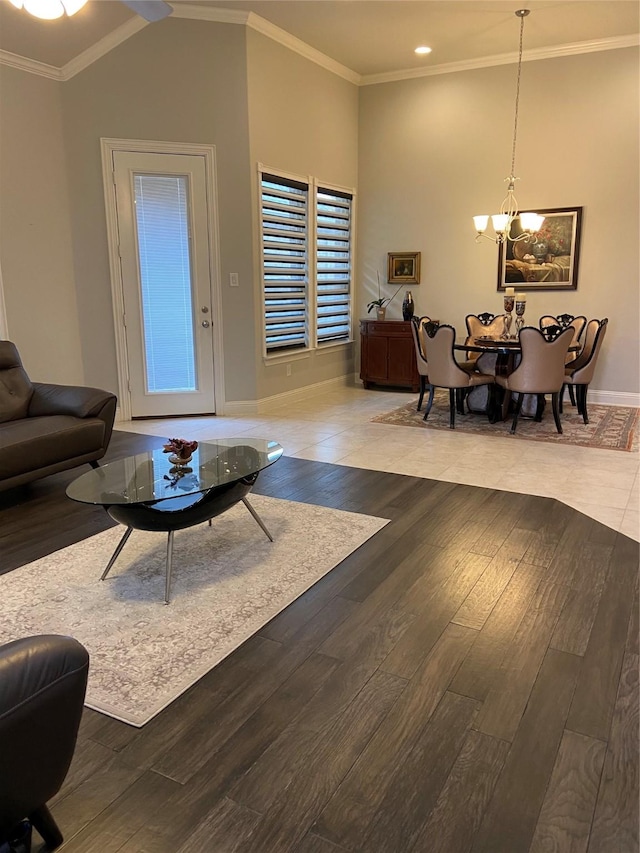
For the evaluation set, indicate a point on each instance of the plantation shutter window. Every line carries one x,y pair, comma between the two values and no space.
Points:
284,215
333,266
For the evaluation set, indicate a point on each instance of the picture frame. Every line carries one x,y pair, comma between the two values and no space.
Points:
403,267
549,261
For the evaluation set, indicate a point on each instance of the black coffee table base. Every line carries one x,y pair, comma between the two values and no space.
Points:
178,513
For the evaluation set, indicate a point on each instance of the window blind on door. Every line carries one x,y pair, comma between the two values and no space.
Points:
162,220
284,206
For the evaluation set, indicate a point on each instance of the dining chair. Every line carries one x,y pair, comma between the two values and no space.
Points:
551,331
482,324
444,370
579,373
541,370
417,330
563,321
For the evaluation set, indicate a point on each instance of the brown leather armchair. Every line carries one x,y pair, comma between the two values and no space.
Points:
45,428
43,681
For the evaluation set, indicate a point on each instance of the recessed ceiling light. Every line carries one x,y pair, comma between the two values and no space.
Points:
423,49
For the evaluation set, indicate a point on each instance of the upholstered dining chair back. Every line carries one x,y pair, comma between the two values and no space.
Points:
542,366
484,324
444,371
584,366
565,321
43,680
418,325
478,325
419,342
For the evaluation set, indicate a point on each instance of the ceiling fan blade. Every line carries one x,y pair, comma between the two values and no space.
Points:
150,10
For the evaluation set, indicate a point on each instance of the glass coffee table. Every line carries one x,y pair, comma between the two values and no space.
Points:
147,492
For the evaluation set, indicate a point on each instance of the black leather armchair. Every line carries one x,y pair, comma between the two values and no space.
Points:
45,428
43,680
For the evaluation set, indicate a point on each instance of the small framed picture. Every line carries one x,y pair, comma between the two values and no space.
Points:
403,268
548,260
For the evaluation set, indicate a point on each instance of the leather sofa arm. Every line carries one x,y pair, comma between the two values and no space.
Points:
82,402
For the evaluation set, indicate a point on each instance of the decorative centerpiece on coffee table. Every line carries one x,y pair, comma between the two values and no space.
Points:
180,449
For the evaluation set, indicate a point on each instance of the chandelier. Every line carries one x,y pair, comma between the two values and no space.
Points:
49,9
502,222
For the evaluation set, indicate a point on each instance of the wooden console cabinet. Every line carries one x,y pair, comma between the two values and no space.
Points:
387,354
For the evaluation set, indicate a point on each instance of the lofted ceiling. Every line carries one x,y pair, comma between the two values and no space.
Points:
369,37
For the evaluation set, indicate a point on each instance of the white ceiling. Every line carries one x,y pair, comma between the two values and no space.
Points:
369,37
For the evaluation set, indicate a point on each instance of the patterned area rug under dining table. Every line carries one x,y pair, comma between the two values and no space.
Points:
609,427
228,581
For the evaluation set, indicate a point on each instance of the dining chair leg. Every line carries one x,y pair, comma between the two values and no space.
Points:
556,412
583,395
539,407
452,408
491,401
460,393
429,402
516,413
422,387
571,396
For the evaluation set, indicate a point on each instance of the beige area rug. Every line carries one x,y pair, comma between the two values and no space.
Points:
228,581
609,427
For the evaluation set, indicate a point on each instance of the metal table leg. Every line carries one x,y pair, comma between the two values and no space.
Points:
257,518
116,553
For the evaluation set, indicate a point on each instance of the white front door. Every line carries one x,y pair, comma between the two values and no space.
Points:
165,260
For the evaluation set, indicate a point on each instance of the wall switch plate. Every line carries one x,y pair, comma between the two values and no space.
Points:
233,279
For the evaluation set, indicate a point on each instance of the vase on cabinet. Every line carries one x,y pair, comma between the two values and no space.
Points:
407,306
381,313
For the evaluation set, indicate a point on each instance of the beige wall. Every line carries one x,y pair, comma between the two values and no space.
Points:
434,152
304,121
177,81
35,243
430,152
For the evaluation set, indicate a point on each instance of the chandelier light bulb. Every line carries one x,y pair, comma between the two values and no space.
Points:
481,223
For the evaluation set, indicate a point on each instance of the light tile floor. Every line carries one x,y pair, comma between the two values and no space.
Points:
336,427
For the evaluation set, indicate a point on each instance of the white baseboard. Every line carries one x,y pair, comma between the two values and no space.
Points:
614,398
241,408
237,408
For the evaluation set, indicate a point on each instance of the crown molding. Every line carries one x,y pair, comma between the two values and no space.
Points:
205,13
284,38
102,47
613,43
13,60
259,24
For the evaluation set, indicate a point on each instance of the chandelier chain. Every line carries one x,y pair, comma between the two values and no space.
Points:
528,223
515,120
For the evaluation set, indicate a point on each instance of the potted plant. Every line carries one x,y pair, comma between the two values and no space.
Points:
380,304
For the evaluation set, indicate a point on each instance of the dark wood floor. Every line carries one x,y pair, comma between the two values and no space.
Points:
465,681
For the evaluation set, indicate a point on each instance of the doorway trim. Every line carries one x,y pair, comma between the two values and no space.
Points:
107,147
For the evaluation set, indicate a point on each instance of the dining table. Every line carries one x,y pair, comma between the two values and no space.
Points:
507,352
